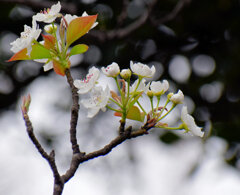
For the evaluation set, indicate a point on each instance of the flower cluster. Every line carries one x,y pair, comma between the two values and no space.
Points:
124,102
52,52
126,99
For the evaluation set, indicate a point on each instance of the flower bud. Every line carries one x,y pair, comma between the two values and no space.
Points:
126,74
177,98
26,103
169,95
50,28
150,94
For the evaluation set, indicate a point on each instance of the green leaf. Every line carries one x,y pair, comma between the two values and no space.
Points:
78,49
79,27
40,52
135,114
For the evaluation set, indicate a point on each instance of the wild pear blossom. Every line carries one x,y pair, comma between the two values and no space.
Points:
142,69
142,87
158,87
177,98
189,123
98,100
27,36
48,15
111,70
85,85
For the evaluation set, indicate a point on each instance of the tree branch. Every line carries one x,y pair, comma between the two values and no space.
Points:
125,31
170,16
50,158
123,14
79,159
40,5
74,113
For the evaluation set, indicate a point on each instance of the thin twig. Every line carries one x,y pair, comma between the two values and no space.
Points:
127,30
70,8
79,159
123,15
171,15
74,113
50,158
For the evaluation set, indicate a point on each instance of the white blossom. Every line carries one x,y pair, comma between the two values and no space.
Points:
98,100
158,87
27,36
48,15
85,85
48,64
69,18
142,87
111,70
189,123
142,69
177,98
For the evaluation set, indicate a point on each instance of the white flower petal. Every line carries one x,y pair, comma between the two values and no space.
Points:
158,87
178,97
48,15
48,66
111,70
87,84
69,17
98,100
189,121
142,87
27,36
142,69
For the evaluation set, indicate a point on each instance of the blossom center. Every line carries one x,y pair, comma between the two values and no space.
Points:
88,78
26,33
45,11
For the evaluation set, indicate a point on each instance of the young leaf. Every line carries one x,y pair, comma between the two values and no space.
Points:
60,68
21,55
40,52
79,27
133,114
78,49
49,41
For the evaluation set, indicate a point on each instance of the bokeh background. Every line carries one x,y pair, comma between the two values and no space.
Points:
195,45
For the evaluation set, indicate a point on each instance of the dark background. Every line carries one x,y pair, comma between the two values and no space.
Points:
146,31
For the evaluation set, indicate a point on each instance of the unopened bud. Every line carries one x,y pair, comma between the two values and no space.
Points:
126,74
26,103
170,95
177,98
150,94
50,28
